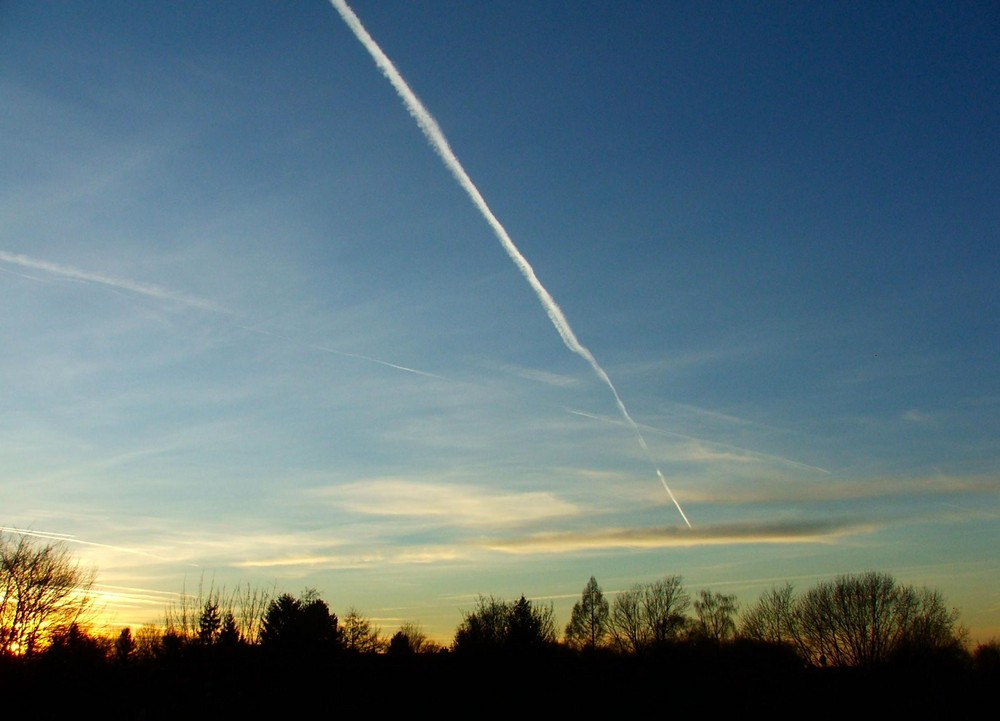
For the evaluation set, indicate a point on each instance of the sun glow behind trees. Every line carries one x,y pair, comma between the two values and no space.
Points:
866,620
44,591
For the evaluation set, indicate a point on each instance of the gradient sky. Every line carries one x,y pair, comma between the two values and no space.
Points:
253,331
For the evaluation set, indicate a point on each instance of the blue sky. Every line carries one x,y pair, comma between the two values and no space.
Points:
254,331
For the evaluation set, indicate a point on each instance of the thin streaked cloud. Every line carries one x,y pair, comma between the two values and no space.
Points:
449,504
703,450
537,375
673,537
793,490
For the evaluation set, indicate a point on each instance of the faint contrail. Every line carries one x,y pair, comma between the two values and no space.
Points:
68,538
717,444
436,138
159,293
387,364
152,291
344,353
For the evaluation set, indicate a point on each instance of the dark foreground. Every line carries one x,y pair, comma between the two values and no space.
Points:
246,684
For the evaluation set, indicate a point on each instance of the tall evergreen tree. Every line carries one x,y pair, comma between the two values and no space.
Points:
588,626
209,622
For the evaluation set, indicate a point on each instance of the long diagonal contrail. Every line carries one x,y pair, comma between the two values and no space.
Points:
432,131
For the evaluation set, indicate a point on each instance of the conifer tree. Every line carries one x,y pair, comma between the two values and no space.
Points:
588,626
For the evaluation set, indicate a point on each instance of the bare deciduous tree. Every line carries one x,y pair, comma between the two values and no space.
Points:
627,623
863,620
714,612
360,634
485,627
203,615
774,619
928,622
649,614
148,642
665,604
43,591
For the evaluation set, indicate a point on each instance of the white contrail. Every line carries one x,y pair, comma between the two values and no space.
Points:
436,138
151,291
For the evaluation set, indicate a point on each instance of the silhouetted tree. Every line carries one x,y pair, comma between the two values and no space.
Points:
497,625
43,592
209,622
651,614
863,620
483,628
929,620
282,621
246,604
73,645
124,645
172,643
986,658
530,626
588,624
714,616
229,633
148,642
360,634
773,619
626,623
665,605
411,638
399,645
299,625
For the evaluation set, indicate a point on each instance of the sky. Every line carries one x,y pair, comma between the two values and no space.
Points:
255,331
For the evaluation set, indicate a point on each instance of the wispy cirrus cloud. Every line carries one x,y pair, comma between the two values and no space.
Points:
673,537
540,376
161,293
844,489
701,449
358,558
456,505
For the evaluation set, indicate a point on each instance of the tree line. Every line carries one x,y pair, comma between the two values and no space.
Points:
856,620
853,620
